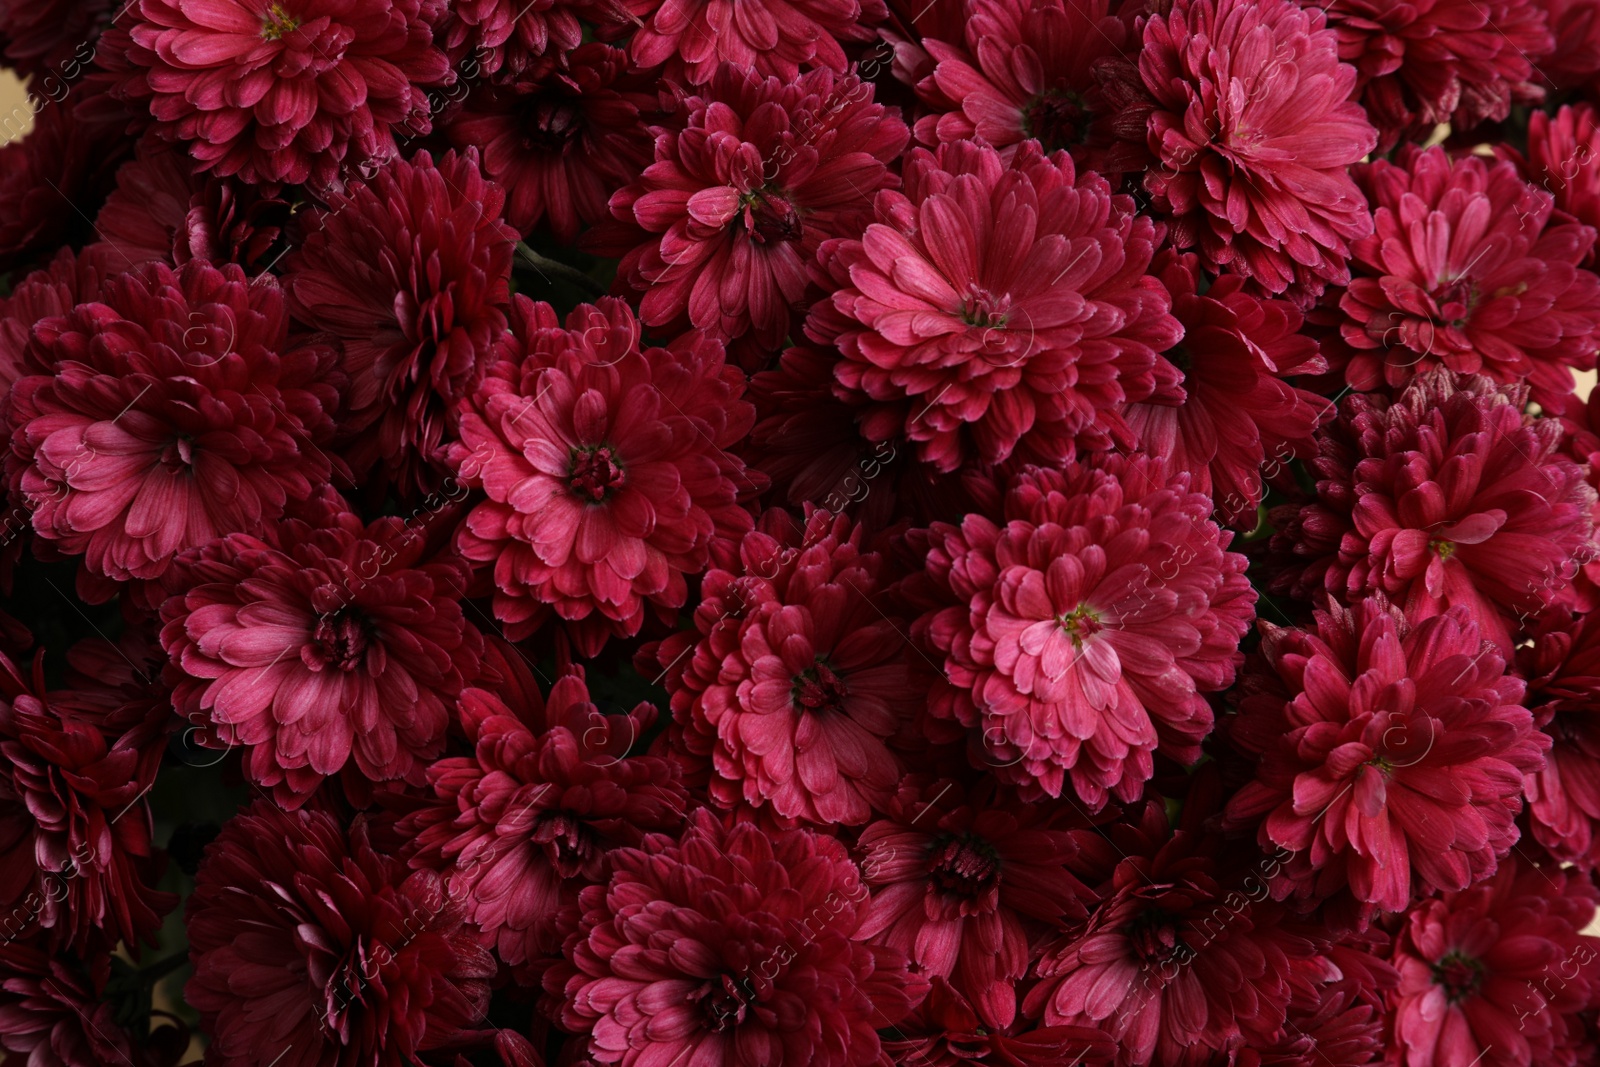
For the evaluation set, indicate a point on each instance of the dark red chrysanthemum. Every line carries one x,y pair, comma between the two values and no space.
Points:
50,42
340,651
1392,754
561,136
1495,975
533,815
1427,62
1253,131
310,947
512,35
1562,666
794,680
1564,160
606,468
1575,27
769,38
720,231
411,271
176,411
287,90
46,178
1077,633
945,1032
1446,496
732,946
996,308
964,880
1470,270
1238,410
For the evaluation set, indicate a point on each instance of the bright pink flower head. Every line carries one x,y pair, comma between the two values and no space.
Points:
1253,131
996,308
1468,270
763,173
1562,666
340,652
1238,410
285,91
776,38
964,880
794,680
1446,496
178,410
411,271
1494,976
1427,62
731,946
606,468
1564,160
521,825
1391,754
309,945
1077,634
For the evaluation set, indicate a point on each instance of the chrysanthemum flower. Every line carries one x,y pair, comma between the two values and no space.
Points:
945,1032
511,35
177,411
996,308
1495,975
1447,496
1428,62
1564,160
46,179
340,651
517,828
51,39
1253,131
606,469
1238,410
1392,754
285,91
721,229
731,946
775,38
310,947
794,679
1562,666
1468,270
1575,27
411,271
1080,630
964,880
561,136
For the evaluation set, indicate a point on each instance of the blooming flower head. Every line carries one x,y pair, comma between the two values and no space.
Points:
606,469
176,410
46,178
1562,666
511,35
519,826
721,229
338,652
1078,633
777,39
411,271
309,946
731,946
945,1032
1253,131
996,308
1564,160
285,91
1391,754
1575,27
51,39
1469,270
1446,496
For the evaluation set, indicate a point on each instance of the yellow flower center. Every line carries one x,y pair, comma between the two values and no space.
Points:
279,22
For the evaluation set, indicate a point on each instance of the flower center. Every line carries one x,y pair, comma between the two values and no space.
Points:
1080,624
725,1005
595,474
340,641
984,309
179,454
1461,976
1154,937
1057,118
550,123
1456,300
1446,549
769,216
570,844
819,689
963,866
279,23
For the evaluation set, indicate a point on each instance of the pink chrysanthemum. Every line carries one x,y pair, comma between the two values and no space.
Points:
996,308
1238,410
731,946
742,197
794,680
411,272
770,38
177,411
1564,160
606,468
1562,666
1494,976
1392,754
1428,62
1446,496
309,946
286,91
1078,632
1253,131
512,35
531,817
1468,270
339,652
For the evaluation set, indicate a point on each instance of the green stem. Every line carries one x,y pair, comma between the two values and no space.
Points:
161,968
548,268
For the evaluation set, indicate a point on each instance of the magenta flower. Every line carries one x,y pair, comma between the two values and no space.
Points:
777,38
